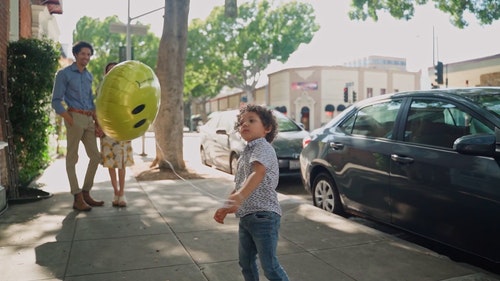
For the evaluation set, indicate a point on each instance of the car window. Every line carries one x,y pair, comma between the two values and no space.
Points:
440,123
227,121
375,120
285,124
212,123
487,100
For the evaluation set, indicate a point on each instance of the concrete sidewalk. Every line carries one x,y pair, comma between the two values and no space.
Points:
167,233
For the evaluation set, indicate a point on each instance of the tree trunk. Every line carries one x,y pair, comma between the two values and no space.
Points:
249,95
170,71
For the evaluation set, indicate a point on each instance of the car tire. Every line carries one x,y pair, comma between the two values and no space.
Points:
233,165
326,195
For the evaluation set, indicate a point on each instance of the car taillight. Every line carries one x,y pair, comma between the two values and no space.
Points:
306,141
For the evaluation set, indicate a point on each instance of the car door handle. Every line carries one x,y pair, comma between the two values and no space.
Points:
401,159
336,145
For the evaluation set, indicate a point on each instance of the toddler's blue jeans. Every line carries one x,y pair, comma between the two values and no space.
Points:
258,235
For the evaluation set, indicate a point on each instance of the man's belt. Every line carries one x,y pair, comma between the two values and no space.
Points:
81,111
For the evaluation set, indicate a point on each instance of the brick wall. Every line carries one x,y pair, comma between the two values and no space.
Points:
25,30
4,33
4,39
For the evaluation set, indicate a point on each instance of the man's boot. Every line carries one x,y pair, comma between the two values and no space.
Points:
80,204
89,200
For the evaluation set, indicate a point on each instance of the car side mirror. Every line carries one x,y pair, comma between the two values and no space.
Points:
479,145
221,132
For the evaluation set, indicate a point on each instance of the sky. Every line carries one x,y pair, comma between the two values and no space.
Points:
339,39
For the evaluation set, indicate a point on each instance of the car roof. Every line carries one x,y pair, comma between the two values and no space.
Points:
453,93
462,95
447,91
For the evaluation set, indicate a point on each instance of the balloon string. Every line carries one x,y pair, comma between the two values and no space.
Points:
213,196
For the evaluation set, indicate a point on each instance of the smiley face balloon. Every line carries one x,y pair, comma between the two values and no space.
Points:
127,101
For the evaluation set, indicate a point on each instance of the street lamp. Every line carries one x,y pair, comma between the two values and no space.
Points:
136,29
129,19
128,52
129,29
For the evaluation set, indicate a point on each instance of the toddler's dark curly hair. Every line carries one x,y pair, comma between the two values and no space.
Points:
265,115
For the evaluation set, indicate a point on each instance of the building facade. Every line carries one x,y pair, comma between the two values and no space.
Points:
20,19
470,73
380,62
313,95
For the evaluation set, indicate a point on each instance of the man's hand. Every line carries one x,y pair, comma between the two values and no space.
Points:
67,118
98,132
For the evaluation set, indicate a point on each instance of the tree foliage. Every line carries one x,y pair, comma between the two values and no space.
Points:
485,11
32,64
203,77
234,51
107,44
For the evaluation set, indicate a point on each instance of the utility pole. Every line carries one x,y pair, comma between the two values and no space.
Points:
433,48
128,52
129,29
438,66
129,19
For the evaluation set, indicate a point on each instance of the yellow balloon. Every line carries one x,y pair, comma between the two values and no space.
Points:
127,101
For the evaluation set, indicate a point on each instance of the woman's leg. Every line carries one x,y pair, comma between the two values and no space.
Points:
121,179
114,183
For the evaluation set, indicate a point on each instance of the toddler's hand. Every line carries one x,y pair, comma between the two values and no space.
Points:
220,215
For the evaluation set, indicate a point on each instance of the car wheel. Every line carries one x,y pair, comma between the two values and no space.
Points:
234,164
203,157
325,194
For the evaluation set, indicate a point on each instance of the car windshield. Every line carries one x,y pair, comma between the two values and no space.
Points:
285,124
487,100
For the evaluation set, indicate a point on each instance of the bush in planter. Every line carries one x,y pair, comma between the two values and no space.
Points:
31,67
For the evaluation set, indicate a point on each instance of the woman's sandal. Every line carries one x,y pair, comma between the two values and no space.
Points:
122,202
116,202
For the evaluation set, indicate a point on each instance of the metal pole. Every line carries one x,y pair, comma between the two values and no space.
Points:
433,58
143,145
129,29
128,52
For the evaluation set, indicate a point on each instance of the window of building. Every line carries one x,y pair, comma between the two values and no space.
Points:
369,92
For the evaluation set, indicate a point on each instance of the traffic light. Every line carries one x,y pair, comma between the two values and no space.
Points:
439,72
354,96
122,53
346,98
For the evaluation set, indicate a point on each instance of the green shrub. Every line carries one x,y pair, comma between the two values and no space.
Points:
31,68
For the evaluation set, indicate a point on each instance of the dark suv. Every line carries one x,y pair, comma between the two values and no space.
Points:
221,144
